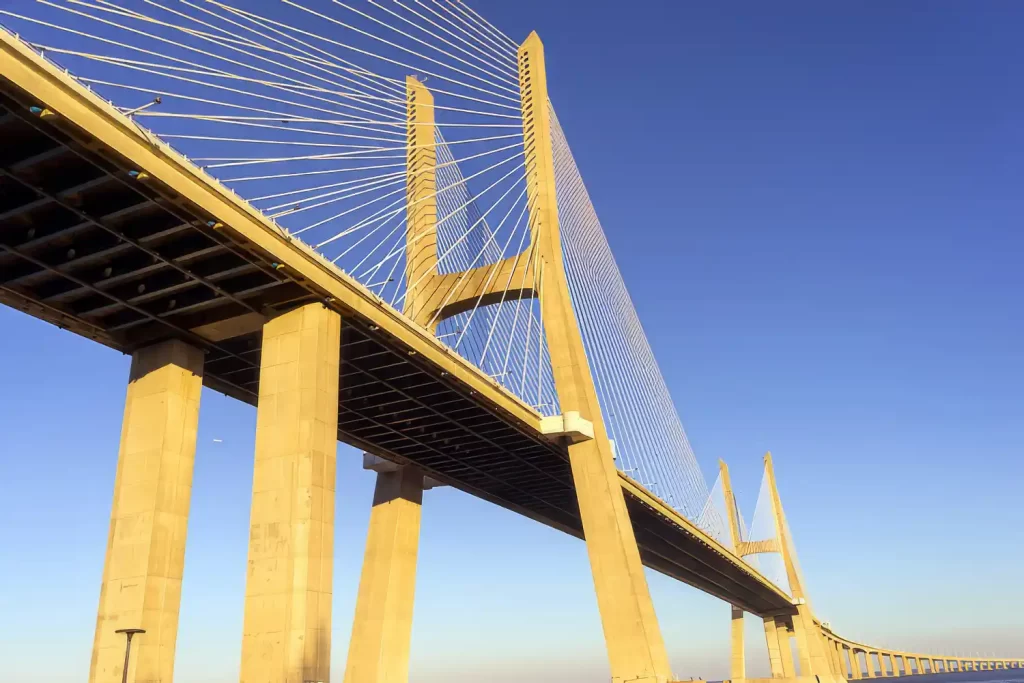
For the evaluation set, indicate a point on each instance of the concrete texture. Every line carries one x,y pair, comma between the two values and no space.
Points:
287,626
152,490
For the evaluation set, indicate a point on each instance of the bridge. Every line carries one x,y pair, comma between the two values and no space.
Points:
363,219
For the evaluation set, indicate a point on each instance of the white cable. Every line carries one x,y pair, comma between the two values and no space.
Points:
503,78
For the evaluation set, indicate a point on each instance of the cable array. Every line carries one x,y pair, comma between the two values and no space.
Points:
713,516
762,527
303,111
650,443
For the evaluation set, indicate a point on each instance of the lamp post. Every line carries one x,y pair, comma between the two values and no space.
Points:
128,632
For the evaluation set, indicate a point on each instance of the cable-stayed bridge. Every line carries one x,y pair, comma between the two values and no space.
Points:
364,219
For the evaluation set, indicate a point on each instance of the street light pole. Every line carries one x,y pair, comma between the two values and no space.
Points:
128,632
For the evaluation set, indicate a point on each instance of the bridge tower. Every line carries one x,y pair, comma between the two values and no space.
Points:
380,640
737,659
636,650
815,656
811,648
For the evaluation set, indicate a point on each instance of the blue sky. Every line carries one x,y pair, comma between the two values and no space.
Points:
817,210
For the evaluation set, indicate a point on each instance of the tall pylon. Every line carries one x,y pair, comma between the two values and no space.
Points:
737,659
811,653
636,650
432,296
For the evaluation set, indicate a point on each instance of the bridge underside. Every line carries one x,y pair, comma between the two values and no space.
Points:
90,245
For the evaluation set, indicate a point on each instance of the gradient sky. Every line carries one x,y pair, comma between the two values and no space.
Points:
817,208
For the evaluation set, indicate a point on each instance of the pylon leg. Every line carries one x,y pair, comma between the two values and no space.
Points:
378,651
771,636
152,490
636,651
287,624
803,645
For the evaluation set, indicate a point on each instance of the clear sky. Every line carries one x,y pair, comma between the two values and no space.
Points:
817,208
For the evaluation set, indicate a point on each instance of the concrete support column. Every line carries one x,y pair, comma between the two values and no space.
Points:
737,659
868,666
378,651
771,635
842,666
837,666
855,663
892,664
636,649
152,490
847,667
287,626
803,637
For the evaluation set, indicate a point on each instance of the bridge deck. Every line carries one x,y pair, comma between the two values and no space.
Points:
107,232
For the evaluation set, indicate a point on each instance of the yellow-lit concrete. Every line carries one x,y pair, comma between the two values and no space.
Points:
636,650
810,646
421,197
433,296
858,672
737,660
852,669
833,657
784,632
774,651
803,647
737,657
287,625
869,666
76,109
378,651
152,489
837,655
80,107
849,667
